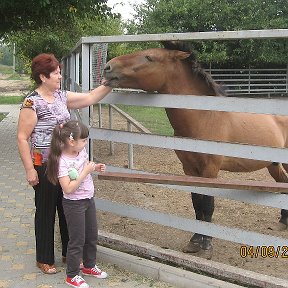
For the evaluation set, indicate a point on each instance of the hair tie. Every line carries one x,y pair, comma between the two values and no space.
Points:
60,128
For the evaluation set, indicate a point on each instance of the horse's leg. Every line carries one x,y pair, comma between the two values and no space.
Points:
196,240
278,173
204,209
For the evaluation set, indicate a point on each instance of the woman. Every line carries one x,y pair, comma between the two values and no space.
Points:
46,107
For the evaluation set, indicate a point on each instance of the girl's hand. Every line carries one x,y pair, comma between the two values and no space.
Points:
100,167
89,167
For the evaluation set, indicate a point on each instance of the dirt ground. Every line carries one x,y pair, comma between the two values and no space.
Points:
227,212
14,87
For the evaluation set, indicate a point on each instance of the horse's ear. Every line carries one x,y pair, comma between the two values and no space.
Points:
181,55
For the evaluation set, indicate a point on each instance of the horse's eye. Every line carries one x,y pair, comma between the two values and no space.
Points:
148,58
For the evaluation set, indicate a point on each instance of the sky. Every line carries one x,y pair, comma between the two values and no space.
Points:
123,7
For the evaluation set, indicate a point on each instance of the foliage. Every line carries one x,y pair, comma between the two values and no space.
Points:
18,15
178,16
60,41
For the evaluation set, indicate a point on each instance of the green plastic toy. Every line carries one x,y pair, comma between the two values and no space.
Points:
73,173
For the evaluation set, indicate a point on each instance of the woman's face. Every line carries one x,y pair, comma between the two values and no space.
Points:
54,81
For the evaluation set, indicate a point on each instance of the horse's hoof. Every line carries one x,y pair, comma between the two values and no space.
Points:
206,253
192,247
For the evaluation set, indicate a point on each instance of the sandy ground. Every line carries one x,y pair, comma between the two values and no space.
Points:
227,212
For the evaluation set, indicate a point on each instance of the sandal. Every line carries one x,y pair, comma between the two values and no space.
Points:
46,268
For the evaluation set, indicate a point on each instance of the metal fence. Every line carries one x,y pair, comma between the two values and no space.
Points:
250,105
252,81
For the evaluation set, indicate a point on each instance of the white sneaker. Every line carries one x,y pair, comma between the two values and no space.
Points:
95,271
77,281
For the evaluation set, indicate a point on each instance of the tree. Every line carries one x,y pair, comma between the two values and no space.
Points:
60,41
19,15
163,16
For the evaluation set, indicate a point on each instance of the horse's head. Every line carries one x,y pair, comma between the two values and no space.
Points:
147,70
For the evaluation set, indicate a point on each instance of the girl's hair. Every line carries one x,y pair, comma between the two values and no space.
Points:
43,64
61,134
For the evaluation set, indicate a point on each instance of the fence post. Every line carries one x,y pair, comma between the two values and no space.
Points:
111,127
287,78
130,148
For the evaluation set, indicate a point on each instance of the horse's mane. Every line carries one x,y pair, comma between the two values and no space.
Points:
195,65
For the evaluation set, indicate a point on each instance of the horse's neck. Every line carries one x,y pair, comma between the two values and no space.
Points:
183,81
189,122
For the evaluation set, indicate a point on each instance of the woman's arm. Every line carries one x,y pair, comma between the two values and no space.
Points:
26,123
80,100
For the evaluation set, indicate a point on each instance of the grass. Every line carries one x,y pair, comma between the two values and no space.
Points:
152,118
4,69
11,99
14,76
2,116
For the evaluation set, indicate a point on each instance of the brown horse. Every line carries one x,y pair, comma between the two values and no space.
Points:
175,70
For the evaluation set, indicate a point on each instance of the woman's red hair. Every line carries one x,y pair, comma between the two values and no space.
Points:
43,64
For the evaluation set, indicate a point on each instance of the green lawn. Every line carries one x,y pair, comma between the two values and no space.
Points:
11,99
2,116
152,118
6,69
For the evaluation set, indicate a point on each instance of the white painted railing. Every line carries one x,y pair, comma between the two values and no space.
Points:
249,105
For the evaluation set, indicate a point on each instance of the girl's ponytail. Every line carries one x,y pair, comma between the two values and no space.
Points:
54,155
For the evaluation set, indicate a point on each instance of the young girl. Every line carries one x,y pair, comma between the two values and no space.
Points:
68,163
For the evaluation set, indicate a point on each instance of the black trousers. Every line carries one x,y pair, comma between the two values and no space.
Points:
48,199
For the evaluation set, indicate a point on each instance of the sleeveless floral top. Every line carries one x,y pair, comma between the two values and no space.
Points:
48,115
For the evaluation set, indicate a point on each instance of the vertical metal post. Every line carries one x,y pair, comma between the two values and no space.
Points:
249,83
72,71
287,78
100,115
85,77
111,127
14,57
130,148
91,108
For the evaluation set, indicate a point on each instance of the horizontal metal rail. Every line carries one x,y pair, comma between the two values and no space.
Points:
201,227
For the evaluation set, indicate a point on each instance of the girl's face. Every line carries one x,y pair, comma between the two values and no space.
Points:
80,144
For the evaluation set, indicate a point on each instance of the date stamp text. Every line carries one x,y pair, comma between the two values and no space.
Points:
263,251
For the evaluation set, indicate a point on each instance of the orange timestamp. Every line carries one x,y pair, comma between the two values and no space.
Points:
264,251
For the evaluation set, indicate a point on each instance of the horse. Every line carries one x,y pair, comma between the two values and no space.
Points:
174,69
